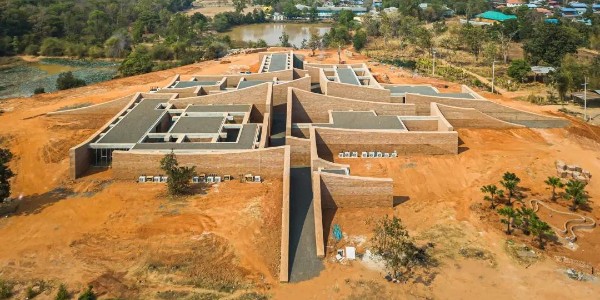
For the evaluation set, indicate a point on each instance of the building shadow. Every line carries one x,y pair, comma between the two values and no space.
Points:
34,204
400,200
461,146
328,216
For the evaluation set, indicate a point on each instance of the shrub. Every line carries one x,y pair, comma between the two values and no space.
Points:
67,81
137,62
6,289
88,295
95,52
39,90
62,293
161,52
32,50
52,47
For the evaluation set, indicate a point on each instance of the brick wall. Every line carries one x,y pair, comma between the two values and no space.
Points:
234,79
318,212
331,141
323,81
317,163
443,124
495,110
313,72
421,125
350,91
256,95
342,191
280,91
107,108
472,118
285,219
128,165
300,150
313,108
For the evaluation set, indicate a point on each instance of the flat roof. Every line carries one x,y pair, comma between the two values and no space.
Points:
136,123
278,62
197,125
186,84
248,136
365,120
219,108
424,90
249,83
347,75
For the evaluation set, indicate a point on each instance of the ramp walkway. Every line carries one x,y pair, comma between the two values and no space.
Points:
304,263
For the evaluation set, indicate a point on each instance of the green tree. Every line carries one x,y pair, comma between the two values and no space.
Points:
88,294
510,215
359,40
346,18
63,293
518,69
284,40
523,220
66,81
5,173
551,42
314,42
52,47
313,14
473,38
39,90
510,182
493,190
399,252
554,182
137,62
179,178
239,5
540,229
575,191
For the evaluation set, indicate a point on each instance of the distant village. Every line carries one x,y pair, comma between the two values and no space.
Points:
552,10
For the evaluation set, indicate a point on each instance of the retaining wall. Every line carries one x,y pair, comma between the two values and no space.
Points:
331,141
308,107
318,212
343,191
443,124
471,118
285,220
280,91
495,110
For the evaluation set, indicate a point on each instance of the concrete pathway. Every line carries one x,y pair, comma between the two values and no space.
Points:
304,263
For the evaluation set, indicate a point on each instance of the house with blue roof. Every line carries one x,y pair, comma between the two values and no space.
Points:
581,8
568,12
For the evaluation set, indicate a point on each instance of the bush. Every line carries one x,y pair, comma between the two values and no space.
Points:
39,90
67,81
32,50
6,289
518,69
137,62
74,49
95,52
52,47
62,293
161,52
88,295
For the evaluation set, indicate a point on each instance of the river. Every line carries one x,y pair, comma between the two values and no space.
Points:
270,32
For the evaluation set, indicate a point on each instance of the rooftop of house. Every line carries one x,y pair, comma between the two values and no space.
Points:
496,16
362,120
401,90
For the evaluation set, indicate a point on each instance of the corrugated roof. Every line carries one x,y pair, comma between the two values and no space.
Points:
496,16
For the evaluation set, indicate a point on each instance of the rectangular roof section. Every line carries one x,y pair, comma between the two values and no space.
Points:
347,75
186,84
136,123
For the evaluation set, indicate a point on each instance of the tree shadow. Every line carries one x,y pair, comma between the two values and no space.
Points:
400,200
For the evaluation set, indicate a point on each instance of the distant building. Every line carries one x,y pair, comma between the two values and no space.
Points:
567,12
327,12
446,12
514,3
491,17
544,11
377,3
390,10
278,17
596,8
581,8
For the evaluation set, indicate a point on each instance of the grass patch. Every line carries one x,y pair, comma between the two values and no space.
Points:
252,296
74,106
6,289
171,295
367,290
521,253
478,253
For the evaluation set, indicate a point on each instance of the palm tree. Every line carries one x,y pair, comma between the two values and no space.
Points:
510,215
540,229
524,219
554,182
575,191
493,190
510,182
